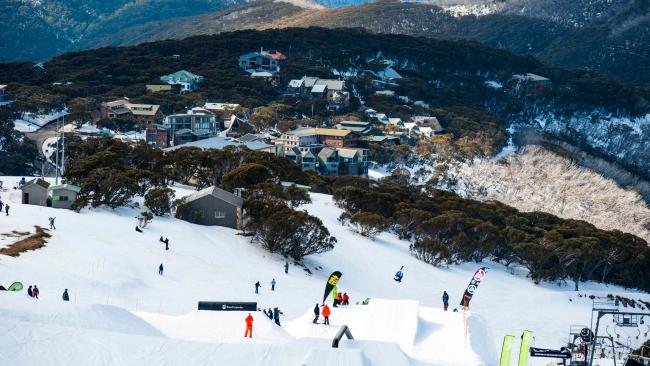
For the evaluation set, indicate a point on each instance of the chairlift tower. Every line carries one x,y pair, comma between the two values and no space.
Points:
620,317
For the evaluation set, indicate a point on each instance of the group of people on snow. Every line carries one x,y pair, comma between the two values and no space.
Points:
33,291
6,207
273,314
325,312
341,299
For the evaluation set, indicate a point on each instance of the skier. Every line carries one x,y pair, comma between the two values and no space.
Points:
35,292
346,299
29,291
399,275
7,209
286,264
316,313
257,287
273,284
326,314
65,296
276,316
138,229
51,219
160,269
445,300
249,326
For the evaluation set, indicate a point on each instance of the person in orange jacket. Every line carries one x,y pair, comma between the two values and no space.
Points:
326,314
249,326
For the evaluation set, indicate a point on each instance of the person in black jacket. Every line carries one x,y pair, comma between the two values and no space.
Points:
316,314
445,300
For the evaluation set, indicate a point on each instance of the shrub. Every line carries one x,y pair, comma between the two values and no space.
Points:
369,224
159,200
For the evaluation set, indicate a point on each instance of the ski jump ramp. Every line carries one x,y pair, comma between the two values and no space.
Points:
426,334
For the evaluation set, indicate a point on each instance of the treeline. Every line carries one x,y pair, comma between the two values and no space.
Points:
446,229
112,173
17,154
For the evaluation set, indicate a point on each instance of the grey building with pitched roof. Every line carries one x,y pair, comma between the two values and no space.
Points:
212,206
35,192
64,195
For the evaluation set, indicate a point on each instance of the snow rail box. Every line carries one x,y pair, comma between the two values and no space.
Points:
227,306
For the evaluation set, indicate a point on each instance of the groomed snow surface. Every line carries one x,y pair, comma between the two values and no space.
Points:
121,312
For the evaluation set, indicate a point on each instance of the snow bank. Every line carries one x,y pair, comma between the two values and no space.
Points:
382,320
217,327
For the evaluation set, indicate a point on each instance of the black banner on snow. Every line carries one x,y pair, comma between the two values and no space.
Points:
331,282
550,353
227,306
473,284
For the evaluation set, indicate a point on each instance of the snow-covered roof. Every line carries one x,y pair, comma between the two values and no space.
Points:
218,193
219,142
221,106
261,74
68,187
389,74
334,85
319,88
296,83
530,77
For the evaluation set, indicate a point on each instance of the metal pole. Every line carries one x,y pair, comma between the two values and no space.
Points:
63,148
593,344
56,168
611,339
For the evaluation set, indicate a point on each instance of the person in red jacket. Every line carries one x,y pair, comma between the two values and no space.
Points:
326,314
249,326
346,298
339,299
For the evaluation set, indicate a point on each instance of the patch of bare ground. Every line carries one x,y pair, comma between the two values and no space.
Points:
32,242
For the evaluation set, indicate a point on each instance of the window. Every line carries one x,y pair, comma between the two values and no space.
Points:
219,214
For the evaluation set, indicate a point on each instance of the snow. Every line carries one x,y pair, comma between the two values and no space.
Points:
30,122
494,84
122,312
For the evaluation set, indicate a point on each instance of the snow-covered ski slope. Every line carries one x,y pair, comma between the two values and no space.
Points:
123,313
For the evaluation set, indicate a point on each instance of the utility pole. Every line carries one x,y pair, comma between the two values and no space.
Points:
63,148
56,152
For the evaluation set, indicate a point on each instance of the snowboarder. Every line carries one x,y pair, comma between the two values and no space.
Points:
138,229
399,275
249,326
286,264
51,219
7,209
29,291
276,316
65,295
269,313
160,269
166,243
316,313
445,300
346,299
273,284
326,314
257,287
35,292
